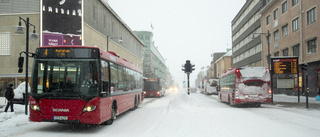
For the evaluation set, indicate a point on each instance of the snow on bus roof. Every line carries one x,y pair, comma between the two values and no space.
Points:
251,72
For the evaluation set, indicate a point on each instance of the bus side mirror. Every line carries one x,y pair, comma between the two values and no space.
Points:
20,64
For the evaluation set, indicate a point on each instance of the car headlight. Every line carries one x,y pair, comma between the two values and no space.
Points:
89,108
35,107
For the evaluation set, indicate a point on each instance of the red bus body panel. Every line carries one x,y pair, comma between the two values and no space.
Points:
73,109
152,93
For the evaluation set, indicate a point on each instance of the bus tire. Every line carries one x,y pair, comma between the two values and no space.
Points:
135,104
229,99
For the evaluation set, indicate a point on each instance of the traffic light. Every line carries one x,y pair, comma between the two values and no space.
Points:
304,66
188,67
183,68
192,67
20,64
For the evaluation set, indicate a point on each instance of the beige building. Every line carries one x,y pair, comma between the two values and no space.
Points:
294,30
102,28
223,63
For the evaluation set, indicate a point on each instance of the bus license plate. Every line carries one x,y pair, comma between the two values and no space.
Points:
60,117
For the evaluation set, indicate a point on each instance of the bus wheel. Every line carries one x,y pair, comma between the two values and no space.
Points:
109,122
135,104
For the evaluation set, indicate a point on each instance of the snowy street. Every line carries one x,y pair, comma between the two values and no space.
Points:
179,115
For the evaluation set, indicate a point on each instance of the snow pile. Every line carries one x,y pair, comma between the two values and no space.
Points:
20,90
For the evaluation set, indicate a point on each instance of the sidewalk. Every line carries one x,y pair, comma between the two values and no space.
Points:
292,101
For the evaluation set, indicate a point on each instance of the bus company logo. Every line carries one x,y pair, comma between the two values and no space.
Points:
60,110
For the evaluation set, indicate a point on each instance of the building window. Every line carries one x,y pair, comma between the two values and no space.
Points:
268,20
295,25
285,30
5,1
5,43
275,14
295,50
284,7
312,45
295,2
276,35
311,15
276,54
285,52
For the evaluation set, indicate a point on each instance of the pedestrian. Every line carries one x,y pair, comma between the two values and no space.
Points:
9,96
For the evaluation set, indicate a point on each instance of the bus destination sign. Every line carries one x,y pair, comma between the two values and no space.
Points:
284,65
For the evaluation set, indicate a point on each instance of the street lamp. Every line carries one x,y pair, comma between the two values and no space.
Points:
33,36
268,59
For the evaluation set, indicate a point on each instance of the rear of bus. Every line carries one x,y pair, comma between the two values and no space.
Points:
152,88
253,86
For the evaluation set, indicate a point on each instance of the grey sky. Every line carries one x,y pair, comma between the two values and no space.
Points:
183,29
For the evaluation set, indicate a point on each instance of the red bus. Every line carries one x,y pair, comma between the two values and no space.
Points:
245,86
153,87
82,84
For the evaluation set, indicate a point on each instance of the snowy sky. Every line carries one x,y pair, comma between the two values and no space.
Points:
183,29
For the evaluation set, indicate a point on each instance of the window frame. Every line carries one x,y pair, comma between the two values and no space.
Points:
313,15
295,26
5,43
312,48
294,2
267,20
276,35
286,7
285,52
285,32
275,14
297,47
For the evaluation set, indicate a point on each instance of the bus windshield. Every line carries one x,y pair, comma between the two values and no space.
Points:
65,78
151,86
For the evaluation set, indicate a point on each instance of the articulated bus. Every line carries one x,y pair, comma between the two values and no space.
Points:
61,93
245,86
153,87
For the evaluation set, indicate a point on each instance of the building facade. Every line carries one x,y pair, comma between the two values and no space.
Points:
213,65
223,63
102,28
294,31
154,64
247,23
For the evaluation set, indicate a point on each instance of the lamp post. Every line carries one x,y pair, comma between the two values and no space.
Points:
33,37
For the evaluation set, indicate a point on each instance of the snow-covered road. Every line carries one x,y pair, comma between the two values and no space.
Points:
179,115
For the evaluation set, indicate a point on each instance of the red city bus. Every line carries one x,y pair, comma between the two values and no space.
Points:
153,87
82,84
245,86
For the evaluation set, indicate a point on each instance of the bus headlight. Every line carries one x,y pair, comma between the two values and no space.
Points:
35,107
158,92
144,92
89,108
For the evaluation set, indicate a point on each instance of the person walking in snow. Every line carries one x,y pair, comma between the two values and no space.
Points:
9,96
